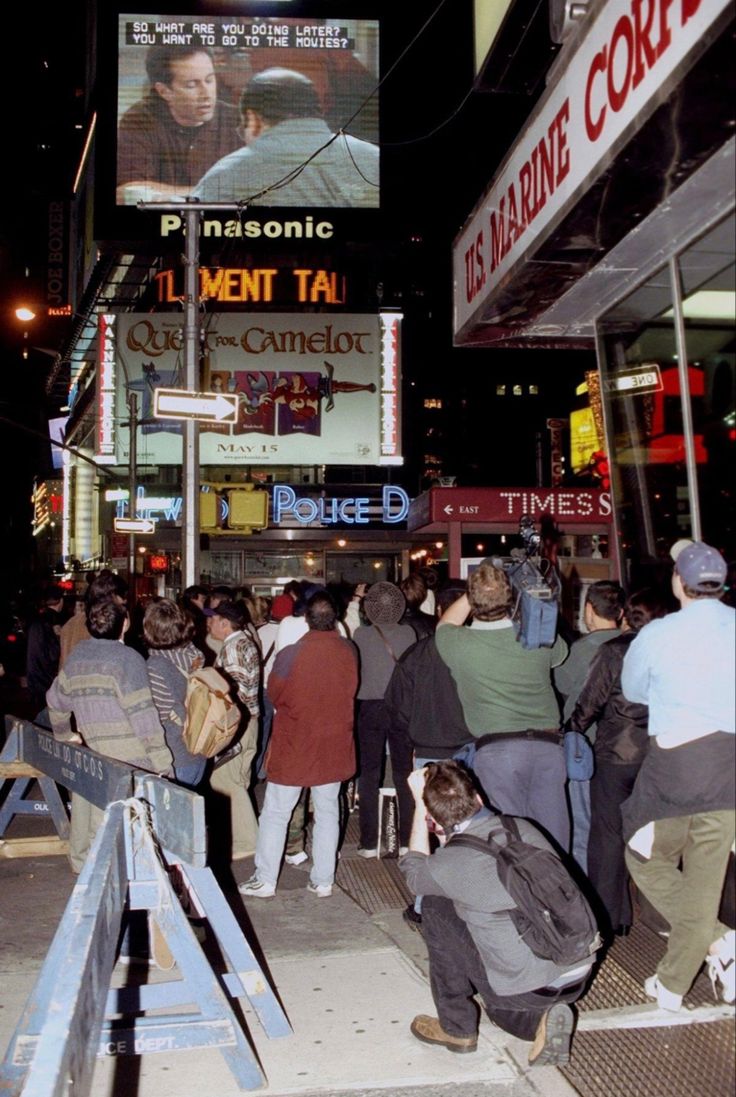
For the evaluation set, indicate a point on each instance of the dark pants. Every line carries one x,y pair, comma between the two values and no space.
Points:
375,729
610,786
456,971
526,778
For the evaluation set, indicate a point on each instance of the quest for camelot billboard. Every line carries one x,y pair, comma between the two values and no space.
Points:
311,389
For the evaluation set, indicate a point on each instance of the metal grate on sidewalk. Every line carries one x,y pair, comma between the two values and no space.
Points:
376,884
693,1060
686,1061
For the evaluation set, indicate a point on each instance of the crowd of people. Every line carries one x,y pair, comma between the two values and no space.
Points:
334,682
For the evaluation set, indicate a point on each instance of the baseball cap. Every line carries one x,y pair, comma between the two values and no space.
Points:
701,567
229,611
679,546
384,604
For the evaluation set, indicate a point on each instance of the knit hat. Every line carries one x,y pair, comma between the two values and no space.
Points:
282,606
384,604
701,567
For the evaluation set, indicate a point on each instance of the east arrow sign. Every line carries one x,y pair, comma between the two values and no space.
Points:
207,407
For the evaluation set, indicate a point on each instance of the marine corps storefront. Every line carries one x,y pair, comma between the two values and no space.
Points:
611,223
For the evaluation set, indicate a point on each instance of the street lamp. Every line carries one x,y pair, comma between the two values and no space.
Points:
26,315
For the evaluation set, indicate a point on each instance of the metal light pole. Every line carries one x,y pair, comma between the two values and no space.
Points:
132,486
191,209
190,455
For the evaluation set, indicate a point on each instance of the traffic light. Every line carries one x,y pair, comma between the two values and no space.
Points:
248,509
209,508
232,508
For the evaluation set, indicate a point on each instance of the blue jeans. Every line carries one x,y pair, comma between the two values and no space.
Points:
526,778
191,773
278,806
579,793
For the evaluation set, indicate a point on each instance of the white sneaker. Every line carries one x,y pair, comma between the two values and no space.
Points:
367,853
403,850
322,891
296,858
666,999
256,888
721,964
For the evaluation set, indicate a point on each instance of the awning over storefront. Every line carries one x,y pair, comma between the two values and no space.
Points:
639,104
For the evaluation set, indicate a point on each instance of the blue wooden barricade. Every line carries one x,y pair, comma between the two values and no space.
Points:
68,1019
178,812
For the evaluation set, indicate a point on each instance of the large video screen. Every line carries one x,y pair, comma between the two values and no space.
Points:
254,111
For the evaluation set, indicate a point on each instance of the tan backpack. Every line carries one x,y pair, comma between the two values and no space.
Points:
212,718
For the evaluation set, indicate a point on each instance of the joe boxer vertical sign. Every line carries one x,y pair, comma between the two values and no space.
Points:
627,55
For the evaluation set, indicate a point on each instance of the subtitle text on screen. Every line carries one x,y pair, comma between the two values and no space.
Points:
237,34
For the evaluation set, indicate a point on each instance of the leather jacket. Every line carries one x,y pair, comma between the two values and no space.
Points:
622,737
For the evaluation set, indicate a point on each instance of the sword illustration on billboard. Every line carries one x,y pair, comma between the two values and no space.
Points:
328,386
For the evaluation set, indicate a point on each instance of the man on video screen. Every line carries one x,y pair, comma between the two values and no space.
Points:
291,157
170,137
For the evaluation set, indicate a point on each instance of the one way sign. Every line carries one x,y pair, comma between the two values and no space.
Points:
207,407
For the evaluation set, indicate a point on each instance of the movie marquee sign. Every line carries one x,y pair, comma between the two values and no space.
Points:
310,389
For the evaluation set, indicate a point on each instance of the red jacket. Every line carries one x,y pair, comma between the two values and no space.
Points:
312,685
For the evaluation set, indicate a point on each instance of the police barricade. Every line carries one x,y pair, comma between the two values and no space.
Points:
20,775
148,855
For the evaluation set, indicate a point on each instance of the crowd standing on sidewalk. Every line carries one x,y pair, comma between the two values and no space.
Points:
333,681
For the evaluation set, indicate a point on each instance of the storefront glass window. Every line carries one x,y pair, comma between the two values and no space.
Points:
643,399
641,391
297,565
347,567
706,271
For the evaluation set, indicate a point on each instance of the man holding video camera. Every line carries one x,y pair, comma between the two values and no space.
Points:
509,703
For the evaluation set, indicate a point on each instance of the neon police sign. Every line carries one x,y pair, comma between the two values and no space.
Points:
329,510
285,505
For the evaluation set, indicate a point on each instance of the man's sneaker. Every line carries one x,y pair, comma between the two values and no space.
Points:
256,888
551,1045
430,1031
666,999
323,891
412,918
367,853
721,964
296,858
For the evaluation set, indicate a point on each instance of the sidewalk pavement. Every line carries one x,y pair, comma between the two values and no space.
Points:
349,982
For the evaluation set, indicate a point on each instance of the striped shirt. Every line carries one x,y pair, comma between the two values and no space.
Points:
104,686
240,660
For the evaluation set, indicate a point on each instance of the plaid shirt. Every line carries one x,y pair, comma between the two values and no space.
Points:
240,660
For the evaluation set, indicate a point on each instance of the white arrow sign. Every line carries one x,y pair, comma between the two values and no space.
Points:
448,509
134,525
209,407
